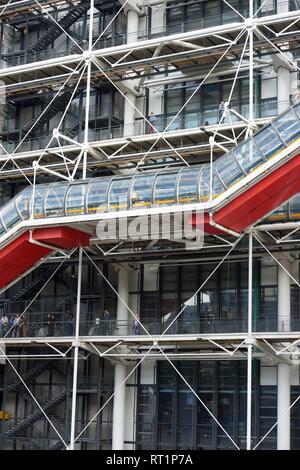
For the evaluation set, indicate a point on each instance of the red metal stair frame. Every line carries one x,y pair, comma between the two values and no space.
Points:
21,254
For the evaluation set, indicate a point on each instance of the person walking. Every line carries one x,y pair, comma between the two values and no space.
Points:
3,325
50,323
23,325
16,326
152,120
71,321
135,326
107,322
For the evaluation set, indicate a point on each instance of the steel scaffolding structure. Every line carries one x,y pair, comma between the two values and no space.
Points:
145,62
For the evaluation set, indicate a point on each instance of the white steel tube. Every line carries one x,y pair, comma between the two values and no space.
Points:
76,351
284,295
283,405
249,395
88,90
119,408
249,347
250,283
251,65
123,291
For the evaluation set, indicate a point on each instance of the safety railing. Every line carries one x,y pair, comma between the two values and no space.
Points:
53,327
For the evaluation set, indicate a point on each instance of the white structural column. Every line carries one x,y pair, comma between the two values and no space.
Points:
129,113
123,299
76,353
120,369
119,408
284,294
130,102
283,67
249,343
283,369
283,87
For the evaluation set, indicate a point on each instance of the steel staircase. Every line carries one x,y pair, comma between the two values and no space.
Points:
36,415
41,43
33,373
60,103
44,274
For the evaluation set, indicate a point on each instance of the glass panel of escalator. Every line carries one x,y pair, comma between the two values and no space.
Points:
296,108
188,186
295,207
23,201
2,229
281,213
97,195
228,169
141,192
204,183
119,194
10,215
165,189
39,200
287,125
75,200
217,185
54,205
268,141
248,155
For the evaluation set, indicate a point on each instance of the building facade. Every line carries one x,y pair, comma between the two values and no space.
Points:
125,323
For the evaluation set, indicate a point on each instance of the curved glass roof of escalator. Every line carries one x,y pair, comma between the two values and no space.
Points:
157,188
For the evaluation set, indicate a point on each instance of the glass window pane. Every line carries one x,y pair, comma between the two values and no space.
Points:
23,202
297,109
287,125
165,186
118,194
75,199
228,169
188,186
295,206
248,155
54,205
141,192
97,195
39,199
268,142
10,215
2,229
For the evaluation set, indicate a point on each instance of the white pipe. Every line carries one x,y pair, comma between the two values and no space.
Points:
283,404
249,356
284,294
251,64
123,293
249,395
278,226
221,227
119,407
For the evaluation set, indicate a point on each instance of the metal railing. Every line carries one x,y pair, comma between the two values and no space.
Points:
45,327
